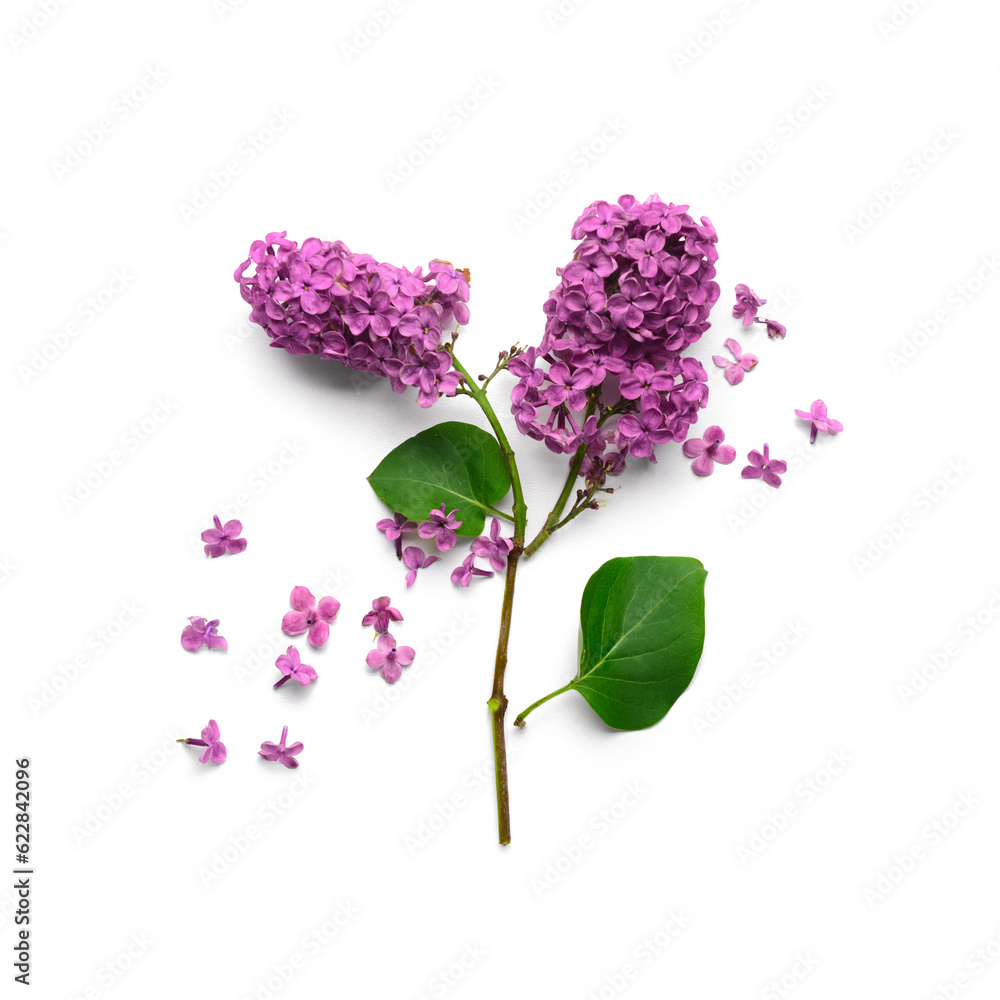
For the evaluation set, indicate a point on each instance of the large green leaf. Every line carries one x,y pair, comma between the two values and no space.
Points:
642,623
455,464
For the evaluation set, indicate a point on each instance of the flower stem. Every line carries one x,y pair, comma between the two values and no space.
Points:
498,700
519,721
552,521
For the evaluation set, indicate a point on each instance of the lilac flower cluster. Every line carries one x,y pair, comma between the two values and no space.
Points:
319,298
637,293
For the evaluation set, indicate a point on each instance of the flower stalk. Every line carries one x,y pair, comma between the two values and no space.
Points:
498,700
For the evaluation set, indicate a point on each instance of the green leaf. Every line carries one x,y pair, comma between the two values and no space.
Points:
455,464
642,625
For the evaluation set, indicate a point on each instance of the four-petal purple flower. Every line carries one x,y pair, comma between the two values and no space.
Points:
735,370
708,450
494,548
223,538
394,528
294,669
820,423
441,527
202,632
381,615
762,466
390,658
215,749
308,615
279,752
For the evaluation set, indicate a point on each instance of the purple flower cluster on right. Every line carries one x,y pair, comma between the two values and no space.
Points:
636,294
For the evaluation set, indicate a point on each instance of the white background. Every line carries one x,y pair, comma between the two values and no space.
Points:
118,872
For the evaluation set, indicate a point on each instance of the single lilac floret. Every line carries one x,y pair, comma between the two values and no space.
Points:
294,669
440,526
708,450
394,528
462,575
223,538
737,369
310,616
381,615
202,632
390,658
215,749
279,752
747,304
493,548
820,423
762,466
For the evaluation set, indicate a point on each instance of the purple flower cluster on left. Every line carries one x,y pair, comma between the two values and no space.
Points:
319,298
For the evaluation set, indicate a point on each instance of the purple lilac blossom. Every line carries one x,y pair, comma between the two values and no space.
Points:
462,575
637,293
223,538
390,658
493,548
735,370
381,615
441,526
394,528
202,632
291,665
279,752
747,304
820,423
319,298
708,450
762,466
308,615
215,749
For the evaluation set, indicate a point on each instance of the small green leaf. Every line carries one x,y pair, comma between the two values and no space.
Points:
455,464
642,631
